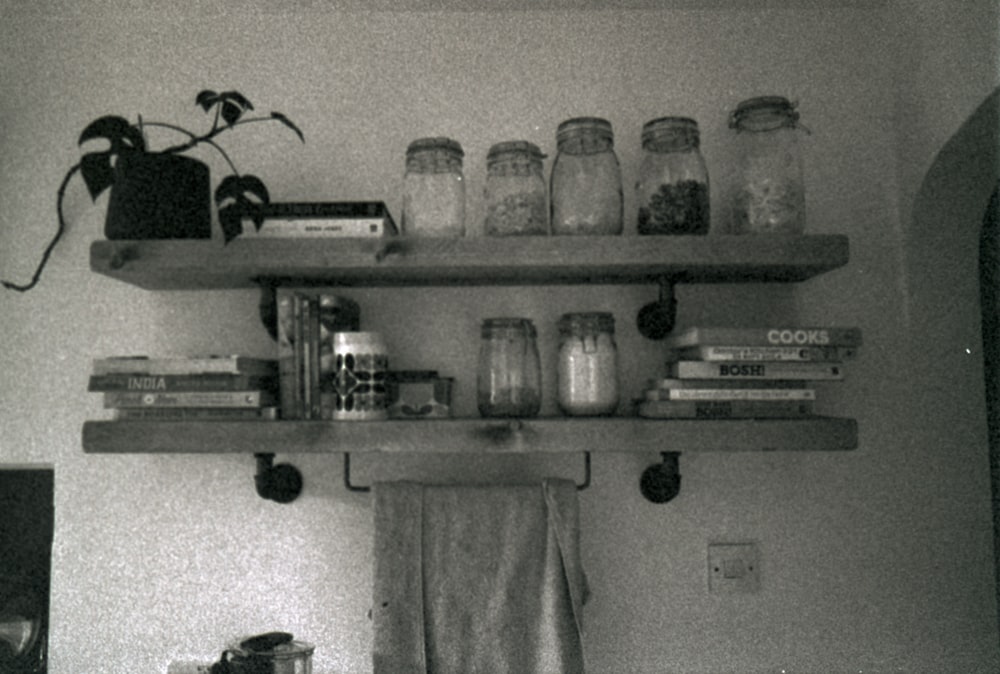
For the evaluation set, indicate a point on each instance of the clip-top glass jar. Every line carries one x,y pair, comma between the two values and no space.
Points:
515,190
768,189
586,180
434,189
672,190
509,378
588,364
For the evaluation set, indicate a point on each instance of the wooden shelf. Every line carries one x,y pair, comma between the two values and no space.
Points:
402,261
433,436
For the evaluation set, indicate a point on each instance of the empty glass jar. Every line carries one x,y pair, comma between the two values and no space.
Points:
508,380
516,194
434,189
672,191
586,180
588,364
768,189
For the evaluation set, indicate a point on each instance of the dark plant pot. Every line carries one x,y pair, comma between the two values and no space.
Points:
159,196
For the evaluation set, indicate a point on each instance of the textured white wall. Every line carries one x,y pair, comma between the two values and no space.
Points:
876,560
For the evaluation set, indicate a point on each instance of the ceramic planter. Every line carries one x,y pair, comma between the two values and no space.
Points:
159,196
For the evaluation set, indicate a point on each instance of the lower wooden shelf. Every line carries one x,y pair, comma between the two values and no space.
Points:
430,436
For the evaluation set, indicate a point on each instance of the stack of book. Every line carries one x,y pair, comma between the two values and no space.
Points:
323,219
182,388
724,372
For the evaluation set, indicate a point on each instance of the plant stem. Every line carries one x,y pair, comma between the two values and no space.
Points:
55,239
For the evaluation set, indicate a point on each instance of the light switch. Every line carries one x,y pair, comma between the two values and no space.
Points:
733,568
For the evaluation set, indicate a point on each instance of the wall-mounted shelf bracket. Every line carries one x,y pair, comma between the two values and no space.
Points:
363,488
281,483
661,482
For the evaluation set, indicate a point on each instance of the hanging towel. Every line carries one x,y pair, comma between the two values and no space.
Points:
477,579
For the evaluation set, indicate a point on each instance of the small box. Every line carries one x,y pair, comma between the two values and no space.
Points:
418,394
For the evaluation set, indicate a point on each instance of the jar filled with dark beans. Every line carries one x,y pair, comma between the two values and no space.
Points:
672,190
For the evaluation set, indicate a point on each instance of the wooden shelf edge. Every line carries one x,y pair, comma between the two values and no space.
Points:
440,436
206,264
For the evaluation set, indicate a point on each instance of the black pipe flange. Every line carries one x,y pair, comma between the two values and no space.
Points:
661,482
281,483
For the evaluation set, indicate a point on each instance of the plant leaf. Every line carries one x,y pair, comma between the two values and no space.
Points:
231,112
237,98
287,122
98,173
231,221
116,130
206,99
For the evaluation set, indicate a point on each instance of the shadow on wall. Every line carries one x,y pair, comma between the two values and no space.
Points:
957,204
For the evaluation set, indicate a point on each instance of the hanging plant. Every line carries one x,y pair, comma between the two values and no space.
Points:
163,194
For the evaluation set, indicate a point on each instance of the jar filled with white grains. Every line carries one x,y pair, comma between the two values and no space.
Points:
434,188
587,364
516,193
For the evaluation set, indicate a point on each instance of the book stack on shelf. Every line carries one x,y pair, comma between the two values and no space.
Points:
769,373
223,388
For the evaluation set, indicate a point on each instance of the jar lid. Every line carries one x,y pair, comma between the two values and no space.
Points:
597,125
515,147
508,323
769,111
590,321
680,130
435,143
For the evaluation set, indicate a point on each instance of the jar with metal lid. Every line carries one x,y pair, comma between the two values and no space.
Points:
434,188
588,364
768,190
586,180
509,377
516,193
672,190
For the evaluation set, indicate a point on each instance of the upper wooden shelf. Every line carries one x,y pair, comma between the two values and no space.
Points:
435,436
403,261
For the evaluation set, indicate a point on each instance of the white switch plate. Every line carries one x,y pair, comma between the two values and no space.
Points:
733,568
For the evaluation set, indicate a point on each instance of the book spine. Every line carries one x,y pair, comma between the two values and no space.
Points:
658,384
300,355
113,399
180,382
776,336
323,227
196,413
312,342
724,409
185,366
762,394
720,353
696,369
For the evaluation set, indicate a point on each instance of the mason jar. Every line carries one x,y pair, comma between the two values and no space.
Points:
434,188
768,191
587,364
586,181
516,193
672,190
509,379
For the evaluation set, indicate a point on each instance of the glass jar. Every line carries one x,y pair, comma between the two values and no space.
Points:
768,189
515,190
588,364
586,180
672,191
509,378
434,189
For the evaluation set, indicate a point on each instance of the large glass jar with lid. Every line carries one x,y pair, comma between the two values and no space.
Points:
587,364
768,191
433,188
586,181
509,376
516,194
672,190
